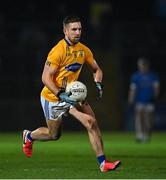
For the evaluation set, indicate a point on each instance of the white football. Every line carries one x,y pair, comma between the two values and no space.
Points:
78,90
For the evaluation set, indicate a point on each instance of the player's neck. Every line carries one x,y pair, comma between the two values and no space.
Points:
69,43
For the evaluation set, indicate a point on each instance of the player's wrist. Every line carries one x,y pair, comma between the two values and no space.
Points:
99,87
99,84
60,92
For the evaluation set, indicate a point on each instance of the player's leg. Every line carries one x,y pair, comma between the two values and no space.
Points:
148,121
87,117
51,132
139,115
53,113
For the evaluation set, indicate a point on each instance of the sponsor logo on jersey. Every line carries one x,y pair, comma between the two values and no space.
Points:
73,67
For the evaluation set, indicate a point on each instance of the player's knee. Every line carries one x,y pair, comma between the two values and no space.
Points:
91,123
55,136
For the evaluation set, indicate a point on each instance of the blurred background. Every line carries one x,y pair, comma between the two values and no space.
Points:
118,32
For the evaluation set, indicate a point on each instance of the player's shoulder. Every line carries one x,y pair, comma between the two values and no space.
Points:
59,44
83,45
154,75
136,74
58,47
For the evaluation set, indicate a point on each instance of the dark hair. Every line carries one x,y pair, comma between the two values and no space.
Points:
144,61
70,19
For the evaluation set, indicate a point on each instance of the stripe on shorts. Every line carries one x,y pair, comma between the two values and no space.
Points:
46,109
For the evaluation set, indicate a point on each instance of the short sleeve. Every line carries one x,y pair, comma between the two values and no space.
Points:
156,80
133,81
54,57
89,56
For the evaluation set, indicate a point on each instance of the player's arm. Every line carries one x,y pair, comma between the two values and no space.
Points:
47,77
132,93
97,72
156,86
98,76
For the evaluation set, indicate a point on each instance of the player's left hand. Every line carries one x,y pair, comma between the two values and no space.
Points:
65,96
99,87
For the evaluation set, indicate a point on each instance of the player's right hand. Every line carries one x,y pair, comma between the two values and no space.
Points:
99,87
64,96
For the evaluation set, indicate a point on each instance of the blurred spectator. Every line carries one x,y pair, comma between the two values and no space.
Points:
143,91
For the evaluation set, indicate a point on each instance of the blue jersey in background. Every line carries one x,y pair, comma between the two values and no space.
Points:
144,83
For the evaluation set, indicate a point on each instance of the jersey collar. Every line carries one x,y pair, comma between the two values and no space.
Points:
68,43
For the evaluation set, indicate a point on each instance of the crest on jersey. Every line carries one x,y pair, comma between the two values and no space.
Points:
73,67
81,53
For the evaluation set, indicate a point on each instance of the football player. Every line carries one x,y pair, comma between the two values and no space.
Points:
63,65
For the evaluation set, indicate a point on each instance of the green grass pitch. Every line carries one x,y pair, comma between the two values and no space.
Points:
72,157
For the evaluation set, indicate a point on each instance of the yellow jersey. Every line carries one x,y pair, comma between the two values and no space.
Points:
68,60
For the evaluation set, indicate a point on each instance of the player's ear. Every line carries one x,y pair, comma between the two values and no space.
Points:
64,30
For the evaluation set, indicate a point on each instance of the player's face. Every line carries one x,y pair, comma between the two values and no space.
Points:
73,32
143,67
